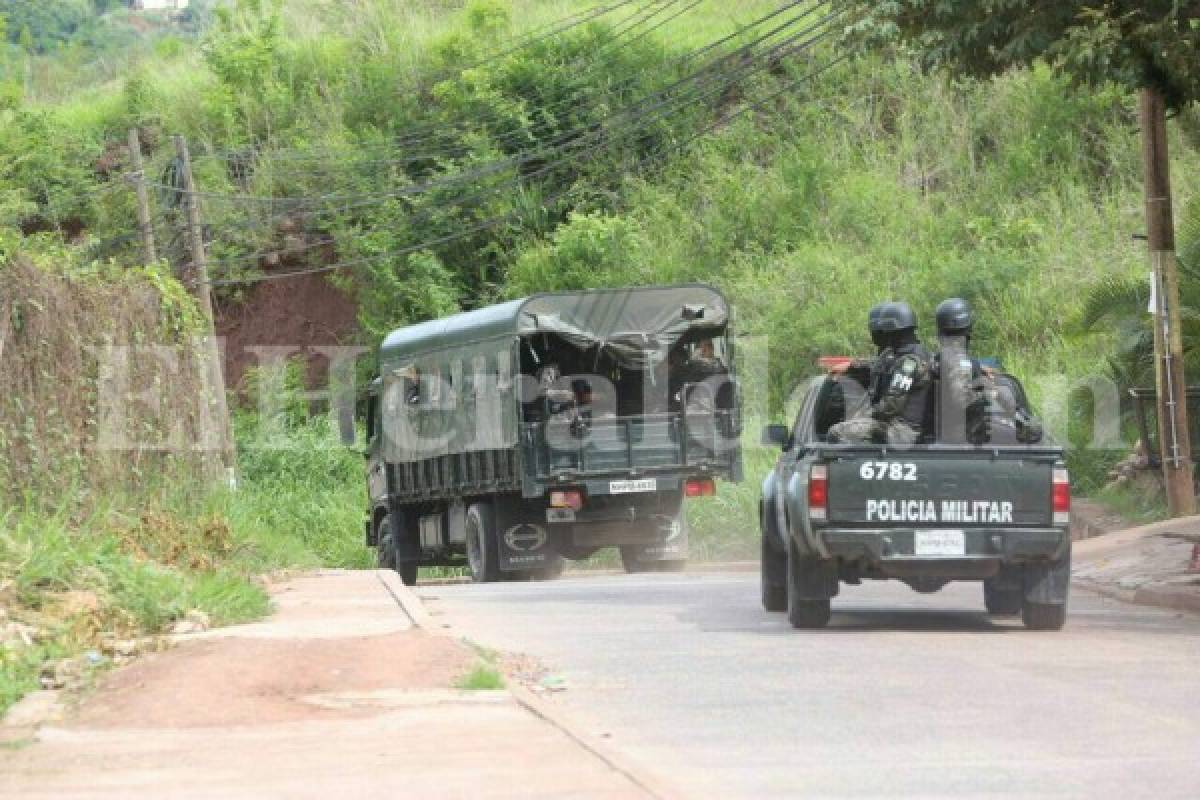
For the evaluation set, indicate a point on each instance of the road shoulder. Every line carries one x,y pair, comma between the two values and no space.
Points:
1147,565
345,691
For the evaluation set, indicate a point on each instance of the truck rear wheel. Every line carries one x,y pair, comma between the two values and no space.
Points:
631,564
483,551
386,553
774,577
552,570
808,594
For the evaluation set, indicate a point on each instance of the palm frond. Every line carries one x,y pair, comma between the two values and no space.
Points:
1111,301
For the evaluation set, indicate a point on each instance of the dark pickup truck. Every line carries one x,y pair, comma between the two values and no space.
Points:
926,515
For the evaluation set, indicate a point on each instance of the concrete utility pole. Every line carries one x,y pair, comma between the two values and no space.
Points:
1173,435
138,179
196,279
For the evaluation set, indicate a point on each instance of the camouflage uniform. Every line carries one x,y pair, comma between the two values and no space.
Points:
899,399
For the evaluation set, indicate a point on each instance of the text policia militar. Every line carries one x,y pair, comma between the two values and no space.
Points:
959,511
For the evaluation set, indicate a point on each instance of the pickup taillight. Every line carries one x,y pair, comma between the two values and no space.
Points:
818,493
1062,497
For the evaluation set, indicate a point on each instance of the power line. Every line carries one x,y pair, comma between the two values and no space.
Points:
419,134
587,16
540,110
558,144
580,144
499,219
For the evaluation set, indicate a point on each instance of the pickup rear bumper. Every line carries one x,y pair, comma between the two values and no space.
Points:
893,550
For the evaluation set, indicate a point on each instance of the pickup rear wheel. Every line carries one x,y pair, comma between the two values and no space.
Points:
1046,589
1043,616
808,594
774,577
483,552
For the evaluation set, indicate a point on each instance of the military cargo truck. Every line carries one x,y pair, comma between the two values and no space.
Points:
512,437
834,514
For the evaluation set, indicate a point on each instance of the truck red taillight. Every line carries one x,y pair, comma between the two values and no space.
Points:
1062,497
569,498
699,487
818,493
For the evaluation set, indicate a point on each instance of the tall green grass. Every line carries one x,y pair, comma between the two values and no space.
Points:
141,588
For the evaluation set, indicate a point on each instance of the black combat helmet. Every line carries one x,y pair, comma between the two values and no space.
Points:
955,318
896,318
878,335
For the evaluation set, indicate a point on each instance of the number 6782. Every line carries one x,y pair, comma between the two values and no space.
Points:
887,471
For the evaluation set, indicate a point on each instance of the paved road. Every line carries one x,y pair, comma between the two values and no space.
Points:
904,696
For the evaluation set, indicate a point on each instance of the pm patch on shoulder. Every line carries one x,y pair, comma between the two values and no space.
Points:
905,374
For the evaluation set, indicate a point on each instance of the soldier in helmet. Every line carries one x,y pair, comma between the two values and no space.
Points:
900,384
864,371
961,378
977,406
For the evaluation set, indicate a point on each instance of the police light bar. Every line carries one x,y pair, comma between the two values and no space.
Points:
829,362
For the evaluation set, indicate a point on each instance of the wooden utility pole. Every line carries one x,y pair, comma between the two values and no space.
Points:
196,279
1173,435
138,179
196,274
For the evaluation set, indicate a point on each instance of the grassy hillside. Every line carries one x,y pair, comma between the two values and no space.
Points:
807,191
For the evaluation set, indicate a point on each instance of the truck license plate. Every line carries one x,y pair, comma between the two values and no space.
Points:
629,487
939,543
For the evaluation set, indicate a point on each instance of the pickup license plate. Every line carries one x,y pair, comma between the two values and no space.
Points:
629,487
939,543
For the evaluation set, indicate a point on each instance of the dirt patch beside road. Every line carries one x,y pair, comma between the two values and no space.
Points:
336,695
234,681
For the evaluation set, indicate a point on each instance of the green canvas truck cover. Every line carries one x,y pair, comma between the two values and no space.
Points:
450,384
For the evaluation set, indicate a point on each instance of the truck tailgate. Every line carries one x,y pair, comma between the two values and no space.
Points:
927,490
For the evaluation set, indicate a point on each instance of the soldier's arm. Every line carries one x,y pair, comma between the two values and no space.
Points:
858,370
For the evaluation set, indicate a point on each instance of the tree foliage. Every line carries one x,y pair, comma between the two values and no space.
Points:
1118,306
1135,43
49,22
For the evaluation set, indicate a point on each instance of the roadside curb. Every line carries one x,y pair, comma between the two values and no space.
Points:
412,606
1102,545
408,601
1164,597
619,762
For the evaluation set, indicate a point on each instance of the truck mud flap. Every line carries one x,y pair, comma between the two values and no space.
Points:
525,545
1048,583
670,542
